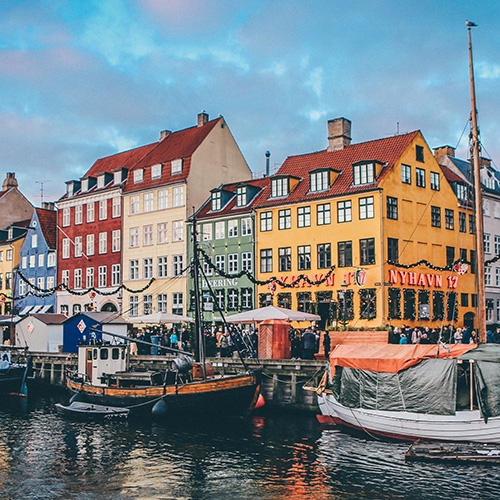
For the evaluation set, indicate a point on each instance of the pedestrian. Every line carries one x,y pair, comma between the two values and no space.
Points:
326,344
308,345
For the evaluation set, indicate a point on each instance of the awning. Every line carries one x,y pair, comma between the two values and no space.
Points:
45,309
35,309
25,311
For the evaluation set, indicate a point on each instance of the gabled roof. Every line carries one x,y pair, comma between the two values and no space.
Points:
49,318
451,176
48,222
385,151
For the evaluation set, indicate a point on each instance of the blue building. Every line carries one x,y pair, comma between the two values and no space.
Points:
37,264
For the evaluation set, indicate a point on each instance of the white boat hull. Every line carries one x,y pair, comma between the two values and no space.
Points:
464,426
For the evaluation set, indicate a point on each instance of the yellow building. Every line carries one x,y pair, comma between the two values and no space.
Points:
347,227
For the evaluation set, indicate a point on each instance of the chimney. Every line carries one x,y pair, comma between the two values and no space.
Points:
484,162
339,134
48,205
202,118
164,134
444,151
10,181
268,155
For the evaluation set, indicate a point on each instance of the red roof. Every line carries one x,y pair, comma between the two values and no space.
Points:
48,222
386,151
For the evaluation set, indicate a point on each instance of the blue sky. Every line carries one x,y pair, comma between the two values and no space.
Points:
80,80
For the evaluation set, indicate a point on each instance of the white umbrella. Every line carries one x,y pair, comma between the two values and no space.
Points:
271,312
159,319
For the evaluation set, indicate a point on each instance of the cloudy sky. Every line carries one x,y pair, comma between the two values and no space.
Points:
80,80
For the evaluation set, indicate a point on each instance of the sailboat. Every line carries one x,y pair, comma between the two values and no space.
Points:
421,392
186,389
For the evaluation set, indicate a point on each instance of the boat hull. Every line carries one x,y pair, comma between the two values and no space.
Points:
453,453
86,411
11,380
463,426
227,395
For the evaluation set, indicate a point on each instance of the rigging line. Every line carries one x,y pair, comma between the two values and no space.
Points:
72,241
463,132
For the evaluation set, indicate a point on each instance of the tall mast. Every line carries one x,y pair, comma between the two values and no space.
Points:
478,206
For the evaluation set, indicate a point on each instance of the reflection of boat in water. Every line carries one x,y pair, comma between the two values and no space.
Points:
453,453
14,374
411,392
78,409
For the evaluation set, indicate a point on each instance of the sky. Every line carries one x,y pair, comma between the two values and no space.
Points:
80,80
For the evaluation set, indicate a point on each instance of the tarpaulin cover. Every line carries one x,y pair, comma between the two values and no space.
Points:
428,387
487,385
392,358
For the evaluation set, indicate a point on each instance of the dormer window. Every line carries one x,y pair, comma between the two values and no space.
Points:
216,200
85,185
279,187
138,175
364,173
117,177
319,180
156,171
176,167
100,181
241,196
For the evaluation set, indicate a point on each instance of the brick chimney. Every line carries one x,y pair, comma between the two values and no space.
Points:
444,151
339,134
202,118
10,181
164,134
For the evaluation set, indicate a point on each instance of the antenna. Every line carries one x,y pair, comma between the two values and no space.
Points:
41,190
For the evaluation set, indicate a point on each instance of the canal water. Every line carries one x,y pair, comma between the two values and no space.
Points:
270,456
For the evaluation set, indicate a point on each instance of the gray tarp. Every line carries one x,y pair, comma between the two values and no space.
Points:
487,385
429,387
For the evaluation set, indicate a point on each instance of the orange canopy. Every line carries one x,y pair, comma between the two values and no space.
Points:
392,358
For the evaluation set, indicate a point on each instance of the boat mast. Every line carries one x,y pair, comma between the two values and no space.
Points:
478,206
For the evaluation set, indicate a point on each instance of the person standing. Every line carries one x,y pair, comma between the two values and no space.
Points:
326,344
308,345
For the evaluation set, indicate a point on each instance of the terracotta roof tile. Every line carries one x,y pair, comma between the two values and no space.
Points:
48,222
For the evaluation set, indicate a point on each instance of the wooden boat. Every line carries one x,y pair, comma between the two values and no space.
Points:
81,410
412,392
453,453
14,375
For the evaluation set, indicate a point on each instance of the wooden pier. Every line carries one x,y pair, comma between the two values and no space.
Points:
282,380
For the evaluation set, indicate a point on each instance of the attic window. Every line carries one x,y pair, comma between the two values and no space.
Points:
118,177
364,173
156,171
100,182
216,200
280,187
241,196
138,175
319,181
85,185
176,166
419,153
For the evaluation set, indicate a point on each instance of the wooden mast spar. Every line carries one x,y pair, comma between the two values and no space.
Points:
478,206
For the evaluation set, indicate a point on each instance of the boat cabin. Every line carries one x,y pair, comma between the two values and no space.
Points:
95,361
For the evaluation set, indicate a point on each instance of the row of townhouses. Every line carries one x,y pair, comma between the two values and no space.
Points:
367,234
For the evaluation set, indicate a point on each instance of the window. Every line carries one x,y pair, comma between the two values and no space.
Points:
303,216
147,235
393,250
78,214
246,261
177,303
472,224
103,243
364,173
285,219
367,251
232,263
497,245
241,196
449,218
32,260
345,253
420,177
178,195
116,240
138,175
216,200
40,283
34,240
134,237
436,216
41,260
178,265
487,243
487,275
220,262
419,153
392,208
266,221
162,233
89,277
156,171
366,210
344,211
134,205
103,209
284,259
162,199
24,262
91,211
320,181
116,207
162,267
279,187
304,257
232,300
115,274
78,246
22,287
462,222
50,282
405,174
176,166
232,228
148,202
147,268
324,255
323,214
51,259
134,269
9,254
246,298
162,302
220,230
66,217
177,230
77,278
435,181
207,232
246,226
266,260
65,277
134,305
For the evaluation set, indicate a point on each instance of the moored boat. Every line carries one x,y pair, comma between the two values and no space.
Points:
14,374
78,409
453,453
